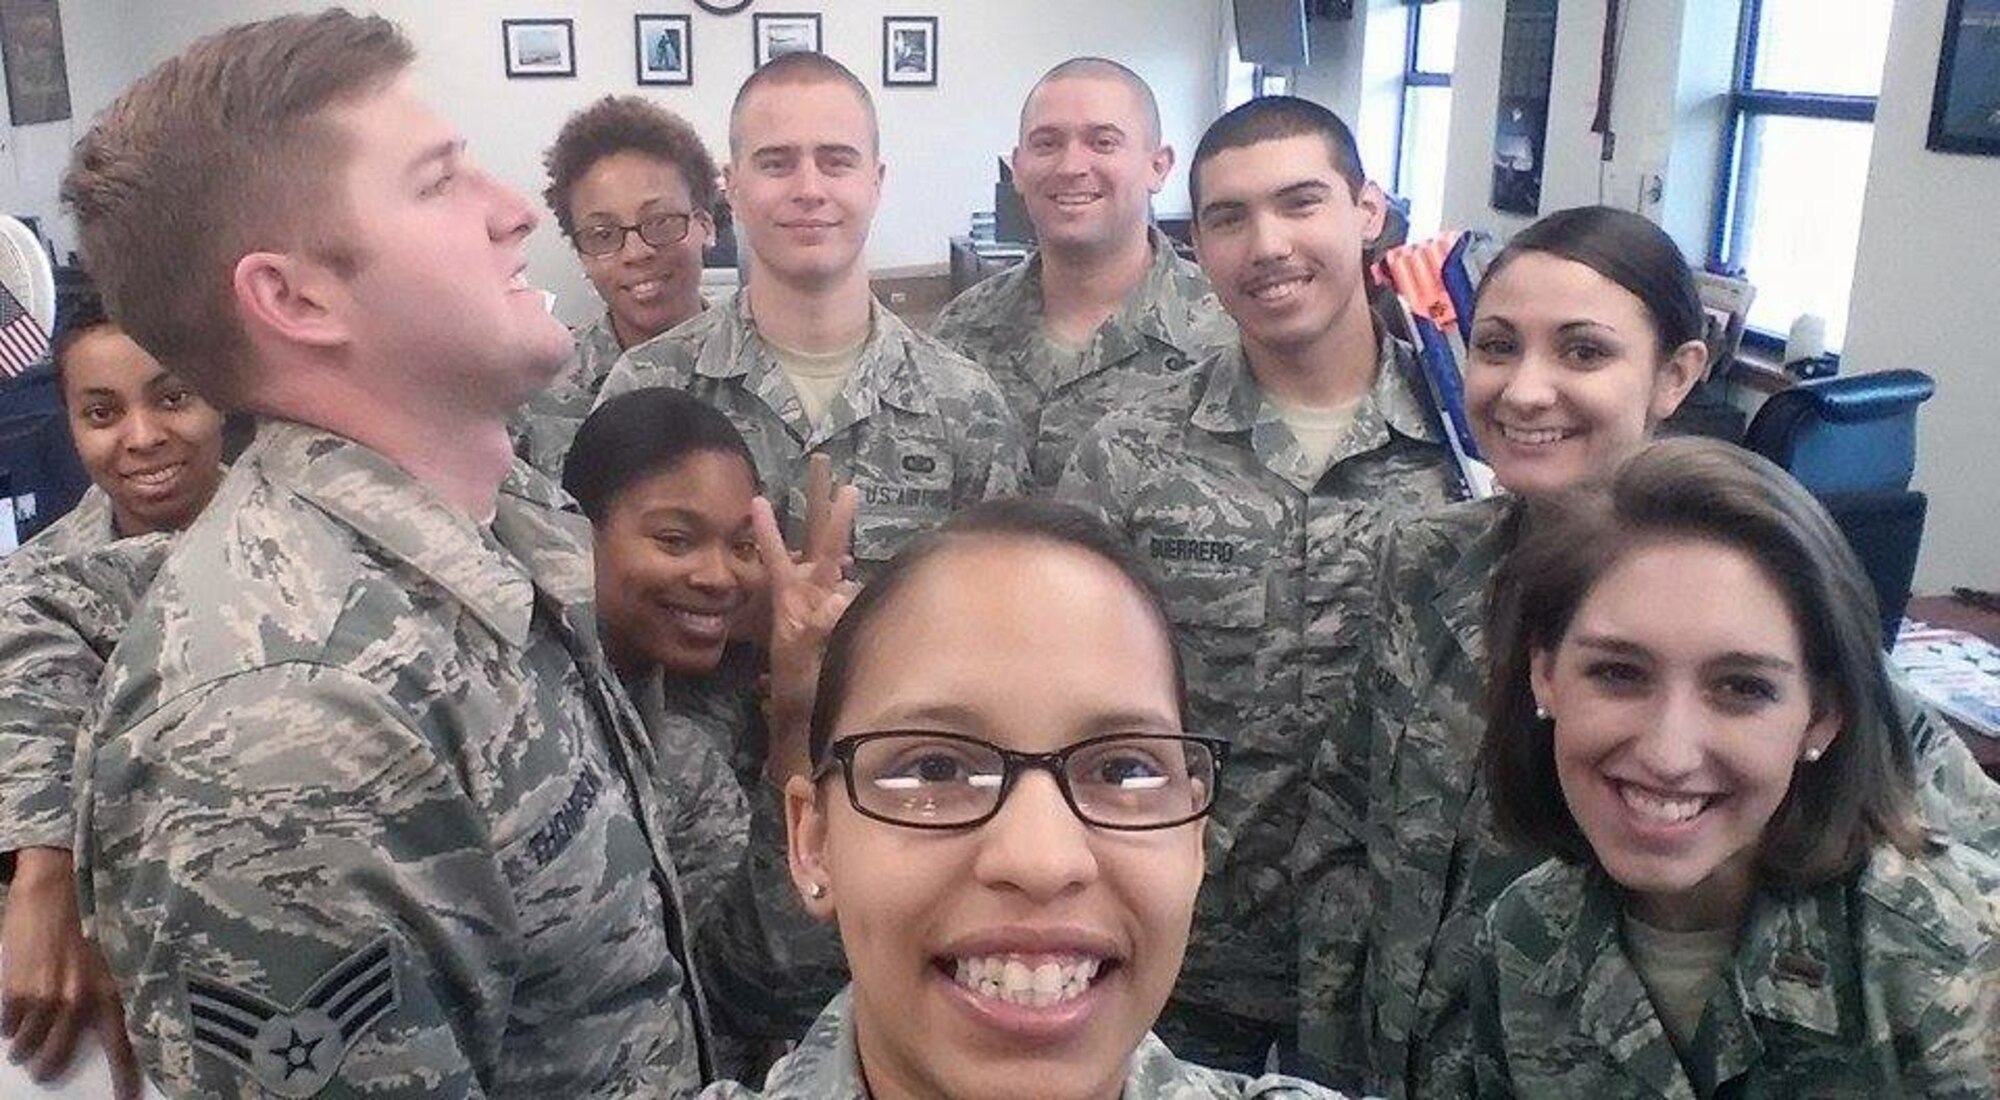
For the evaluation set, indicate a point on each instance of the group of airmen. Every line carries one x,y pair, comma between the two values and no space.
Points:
365,766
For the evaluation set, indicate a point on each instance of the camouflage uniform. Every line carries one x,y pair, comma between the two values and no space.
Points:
64,601
1165,324
363,807
1883,983
824,1067
545,427
707,817
918,430
1267,566
1397,1024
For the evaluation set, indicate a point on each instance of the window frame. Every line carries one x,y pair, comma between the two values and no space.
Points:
1748,101
1413,77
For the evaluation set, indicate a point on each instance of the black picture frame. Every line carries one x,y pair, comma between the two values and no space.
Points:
769,29
909,51
1965,108
519,36
663,49
31,47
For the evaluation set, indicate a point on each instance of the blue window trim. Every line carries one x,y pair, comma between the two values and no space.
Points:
1413,77
1746,100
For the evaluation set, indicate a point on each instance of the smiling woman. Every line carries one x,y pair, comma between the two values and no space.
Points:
1012,871
1688,708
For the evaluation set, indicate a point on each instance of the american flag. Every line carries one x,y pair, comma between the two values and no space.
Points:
22,341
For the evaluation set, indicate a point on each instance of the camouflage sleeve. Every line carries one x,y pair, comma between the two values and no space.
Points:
1489,1041
641,367
1945,1006
996,449
1955,797
57,623
951,327
295,893
707,817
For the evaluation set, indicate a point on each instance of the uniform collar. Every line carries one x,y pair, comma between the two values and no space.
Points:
1160,308
885,374
1232,402
1481,541
494,578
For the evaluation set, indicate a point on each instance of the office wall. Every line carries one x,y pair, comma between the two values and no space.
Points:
1643,113
1357,73
1924,296
939,143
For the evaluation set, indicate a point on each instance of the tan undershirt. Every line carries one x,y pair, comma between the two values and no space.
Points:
1680,970
1318,430
817,376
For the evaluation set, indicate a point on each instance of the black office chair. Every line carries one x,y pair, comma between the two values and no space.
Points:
1853,442
35,449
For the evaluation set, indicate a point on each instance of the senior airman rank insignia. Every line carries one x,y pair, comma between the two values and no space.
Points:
293,1052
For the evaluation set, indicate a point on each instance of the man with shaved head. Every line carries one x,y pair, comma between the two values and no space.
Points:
1103,312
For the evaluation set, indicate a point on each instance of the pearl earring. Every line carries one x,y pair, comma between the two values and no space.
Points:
1541,713
1814,753
816,890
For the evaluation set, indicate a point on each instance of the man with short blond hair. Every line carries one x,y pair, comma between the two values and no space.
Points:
360,794
1104,312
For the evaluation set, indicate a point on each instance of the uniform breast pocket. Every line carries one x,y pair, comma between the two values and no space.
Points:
1219,623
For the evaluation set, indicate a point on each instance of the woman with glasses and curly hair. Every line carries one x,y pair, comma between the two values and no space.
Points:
1004,821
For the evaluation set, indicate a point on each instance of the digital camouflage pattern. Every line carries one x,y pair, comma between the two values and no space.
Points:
1267,565
707,817
917,429
65,597
364,809
1386,944
544,428
1881,984
1162,328
825,1067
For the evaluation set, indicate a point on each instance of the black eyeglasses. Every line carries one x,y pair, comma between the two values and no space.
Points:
930,780
599,239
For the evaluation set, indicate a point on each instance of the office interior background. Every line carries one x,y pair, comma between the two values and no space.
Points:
1808,168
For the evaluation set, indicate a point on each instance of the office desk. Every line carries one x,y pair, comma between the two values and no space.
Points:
1947,611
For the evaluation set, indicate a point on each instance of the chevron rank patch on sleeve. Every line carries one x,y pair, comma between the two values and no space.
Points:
294,1052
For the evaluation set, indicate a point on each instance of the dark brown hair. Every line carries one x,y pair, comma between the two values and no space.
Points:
1858,795
1015,519
622,124
221,151
1624,248
1274,118
803,68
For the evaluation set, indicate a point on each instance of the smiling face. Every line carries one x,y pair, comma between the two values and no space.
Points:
1088,164
440,310
1682,705
804,179
146,440
648,290
1078,931
1280,234
1565,375
677,564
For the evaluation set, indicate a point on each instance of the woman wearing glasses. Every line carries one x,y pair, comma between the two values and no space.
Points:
1003,819
632,188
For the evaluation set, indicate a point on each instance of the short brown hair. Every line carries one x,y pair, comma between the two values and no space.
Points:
218,152
620,124
804,68
1858,795
1102,68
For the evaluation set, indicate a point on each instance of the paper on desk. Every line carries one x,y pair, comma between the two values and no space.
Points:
1957,672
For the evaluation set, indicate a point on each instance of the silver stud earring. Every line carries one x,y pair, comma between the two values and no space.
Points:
816,890
1813,754
1541,713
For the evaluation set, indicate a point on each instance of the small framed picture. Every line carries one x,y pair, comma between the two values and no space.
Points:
778,33
909,50
1965,108
539,47
665,44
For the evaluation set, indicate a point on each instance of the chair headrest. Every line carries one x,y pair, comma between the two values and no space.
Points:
1858,397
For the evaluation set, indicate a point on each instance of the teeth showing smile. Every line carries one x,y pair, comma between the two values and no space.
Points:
1278,291
1074,200
1533,437
1008,978
153,479
698,622
519,281
1664,809
646,291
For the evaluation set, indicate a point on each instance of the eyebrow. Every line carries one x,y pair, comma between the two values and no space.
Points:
443,150
1735,658
950,717
1299,187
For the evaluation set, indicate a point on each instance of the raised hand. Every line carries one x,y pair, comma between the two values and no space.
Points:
808,592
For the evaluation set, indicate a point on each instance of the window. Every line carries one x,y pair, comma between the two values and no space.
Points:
1801,126
1426,123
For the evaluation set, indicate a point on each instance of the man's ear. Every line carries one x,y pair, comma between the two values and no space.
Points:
1162,163
805,847
286,298
1374,206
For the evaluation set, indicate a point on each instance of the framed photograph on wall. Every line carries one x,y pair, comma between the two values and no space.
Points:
666,48
1965,109
31,47
779,33
909,51
539,47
